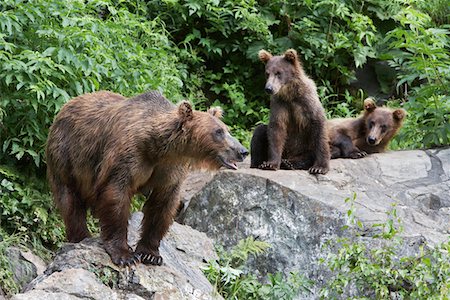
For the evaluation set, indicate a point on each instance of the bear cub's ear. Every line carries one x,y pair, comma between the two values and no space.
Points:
264,56
399,114
216,111
185,110
369,105
290,55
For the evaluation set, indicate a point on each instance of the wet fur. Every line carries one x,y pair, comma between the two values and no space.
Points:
103,149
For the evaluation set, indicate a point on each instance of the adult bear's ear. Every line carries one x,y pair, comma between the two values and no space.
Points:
185,110
291,55
399,114
216,111
264,56
369,105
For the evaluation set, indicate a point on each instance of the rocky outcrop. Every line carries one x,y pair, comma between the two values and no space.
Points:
296,212
85,271
292,210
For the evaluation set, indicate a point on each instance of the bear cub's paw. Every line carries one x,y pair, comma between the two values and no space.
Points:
268,166
358,154
318,170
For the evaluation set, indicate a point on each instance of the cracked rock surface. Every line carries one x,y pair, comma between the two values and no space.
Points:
296,212
85,271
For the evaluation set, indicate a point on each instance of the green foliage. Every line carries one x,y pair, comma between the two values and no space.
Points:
107,276
438,10
26,209
232,282
218,41
347,108
53,50
421,55
8,283
207,50
333,37
377,272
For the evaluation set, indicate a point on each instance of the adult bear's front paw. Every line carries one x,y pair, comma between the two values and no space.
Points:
121,256
149,258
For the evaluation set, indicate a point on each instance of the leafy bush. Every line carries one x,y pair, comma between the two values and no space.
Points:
360,272
220,39
218,42
27,209
421,55
232,282
8,285
53,50
207,50
334,37
27,220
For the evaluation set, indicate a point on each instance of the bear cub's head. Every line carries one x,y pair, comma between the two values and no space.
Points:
382,123
209,139
280,69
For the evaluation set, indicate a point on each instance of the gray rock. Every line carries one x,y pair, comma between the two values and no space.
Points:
293,210
25,266
84,270
38,294
297,212
2,294
195,181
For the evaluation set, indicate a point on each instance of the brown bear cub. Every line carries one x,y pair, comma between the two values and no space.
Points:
295,137
103,148
370,133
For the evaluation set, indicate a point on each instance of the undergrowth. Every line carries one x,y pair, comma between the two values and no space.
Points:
358,271
232,282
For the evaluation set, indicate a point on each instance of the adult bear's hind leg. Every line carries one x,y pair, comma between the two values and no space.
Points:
73,211
113,210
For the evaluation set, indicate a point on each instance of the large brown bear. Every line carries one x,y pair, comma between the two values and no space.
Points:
369,133
103,148
295,137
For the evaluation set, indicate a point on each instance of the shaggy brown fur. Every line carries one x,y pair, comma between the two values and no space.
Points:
103,148
369,133
295,137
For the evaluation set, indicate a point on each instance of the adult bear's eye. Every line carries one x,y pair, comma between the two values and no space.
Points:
371,124
220,133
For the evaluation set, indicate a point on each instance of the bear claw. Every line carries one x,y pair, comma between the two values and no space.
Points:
359,154
150,259
285,164
125,262
267,166
317,170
